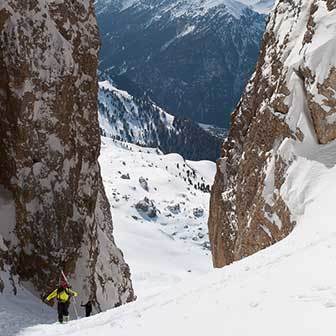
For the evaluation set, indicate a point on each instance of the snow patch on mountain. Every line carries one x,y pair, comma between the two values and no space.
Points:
260,6
216,131
120,117
187,30
200,7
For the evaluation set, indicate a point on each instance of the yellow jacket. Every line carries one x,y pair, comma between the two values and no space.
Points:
62,295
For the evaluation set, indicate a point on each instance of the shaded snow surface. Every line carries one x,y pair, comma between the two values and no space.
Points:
21,310
287,289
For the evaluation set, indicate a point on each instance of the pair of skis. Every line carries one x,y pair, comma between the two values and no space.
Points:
65,279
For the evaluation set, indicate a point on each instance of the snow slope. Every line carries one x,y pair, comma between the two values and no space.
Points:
286,289
18,312
162,250
21,310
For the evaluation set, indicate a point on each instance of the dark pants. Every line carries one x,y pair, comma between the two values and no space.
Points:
63,310
88,311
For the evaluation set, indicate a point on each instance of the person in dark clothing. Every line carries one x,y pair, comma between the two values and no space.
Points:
88,308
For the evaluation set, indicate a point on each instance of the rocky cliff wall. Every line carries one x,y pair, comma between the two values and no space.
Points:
53,209
287,109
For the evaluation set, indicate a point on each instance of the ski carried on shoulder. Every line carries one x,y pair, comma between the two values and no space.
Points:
65,279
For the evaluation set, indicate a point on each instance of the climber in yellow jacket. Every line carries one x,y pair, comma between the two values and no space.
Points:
63,295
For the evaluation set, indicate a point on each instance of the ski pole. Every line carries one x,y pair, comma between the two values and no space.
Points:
75,308
67,281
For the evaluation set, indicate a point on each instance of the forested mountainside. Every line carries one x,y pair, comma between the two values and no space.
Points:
193,57
137,119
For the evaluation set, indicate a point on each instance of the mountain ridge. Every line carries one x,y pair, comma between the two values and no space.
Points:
194,63
137,119
188,7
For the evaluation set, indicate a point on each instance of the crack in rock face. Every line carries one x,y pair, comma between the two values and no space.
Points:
289,101
52,201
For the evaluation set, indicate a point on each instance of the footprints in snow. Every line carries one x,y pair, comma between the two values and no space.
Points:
325,295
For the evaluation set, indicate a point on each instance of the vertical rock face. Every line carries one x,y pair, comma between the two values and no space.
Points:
287,109
53,209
